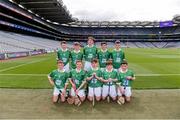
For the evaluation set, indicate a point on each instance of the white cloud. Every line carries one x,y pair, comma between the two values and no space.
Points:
123,10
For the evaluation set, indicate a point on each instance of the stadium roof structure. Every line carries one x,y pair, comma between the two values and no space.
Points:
176,19
50,10
56,12
114,24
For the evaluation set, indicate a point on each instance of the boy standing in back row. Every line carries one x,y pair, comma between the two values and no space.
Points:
76,54
90,52
103,55
117,55
64,55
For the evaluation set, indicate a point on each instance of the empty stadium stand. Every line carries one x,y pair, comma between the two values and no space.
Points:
12,42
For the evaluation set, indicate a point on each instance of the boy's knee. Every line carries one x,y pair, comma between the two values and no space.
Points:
98,98
128,99
90,98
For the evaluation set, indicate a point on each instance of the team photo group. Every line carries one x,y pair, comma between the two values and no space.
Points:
93,73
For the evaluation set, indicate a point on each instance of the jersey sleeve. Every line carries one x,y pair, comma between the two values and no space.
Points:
70,55
96,51
51,75
67,76
84,52
88,74
70,74
132,74
119,78
100,73
98,54
85,76
116,75
58,54
123,55
110,55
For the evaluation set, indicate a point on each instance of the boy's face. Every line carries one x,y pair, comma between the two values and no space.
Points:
79,65
63,46
103,46
94,64
60,66
90,42
117,45
109,67
76,47
124,66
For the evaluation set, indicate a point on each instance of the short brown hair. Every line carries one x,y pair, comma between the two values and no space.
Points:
63,42
59,61
94,60
124,62
109,62
78,61
77,43
91,38
103,43
117,42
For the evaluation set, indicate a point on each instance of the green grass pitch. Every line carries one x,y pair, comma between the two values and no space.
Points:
154,69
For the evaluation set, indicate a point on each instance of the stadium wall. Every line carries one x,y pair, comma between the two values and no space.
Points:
4,56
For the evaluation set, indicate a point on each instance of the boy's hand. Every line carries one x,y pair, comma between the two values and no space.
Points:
129,78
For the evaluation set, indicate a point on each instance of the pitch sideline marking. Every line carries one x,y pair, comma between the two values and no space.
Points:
13,67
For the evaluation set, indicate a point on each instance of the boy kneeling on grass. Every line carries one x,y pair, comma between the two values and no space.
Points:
77,78
94,83
58,79
109,78
125,79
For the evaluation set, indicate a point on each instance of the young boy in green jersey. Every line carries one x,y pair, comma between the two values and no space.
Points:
76,54
57,79
90,52
103,55
125,77
77,79
109,75
94,83
64,55
117,55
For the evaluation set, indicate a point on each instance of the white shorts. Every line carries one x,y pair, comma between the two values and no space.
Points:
127,92
56,91
66,67
87,66
81,93
109,91
96,92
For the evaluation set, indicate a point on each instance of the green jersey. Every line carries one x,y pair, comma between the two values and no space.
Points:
78,77
90,53
63,55
106,75
74,57
103,57
59,78
94,82
117,57
122,78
